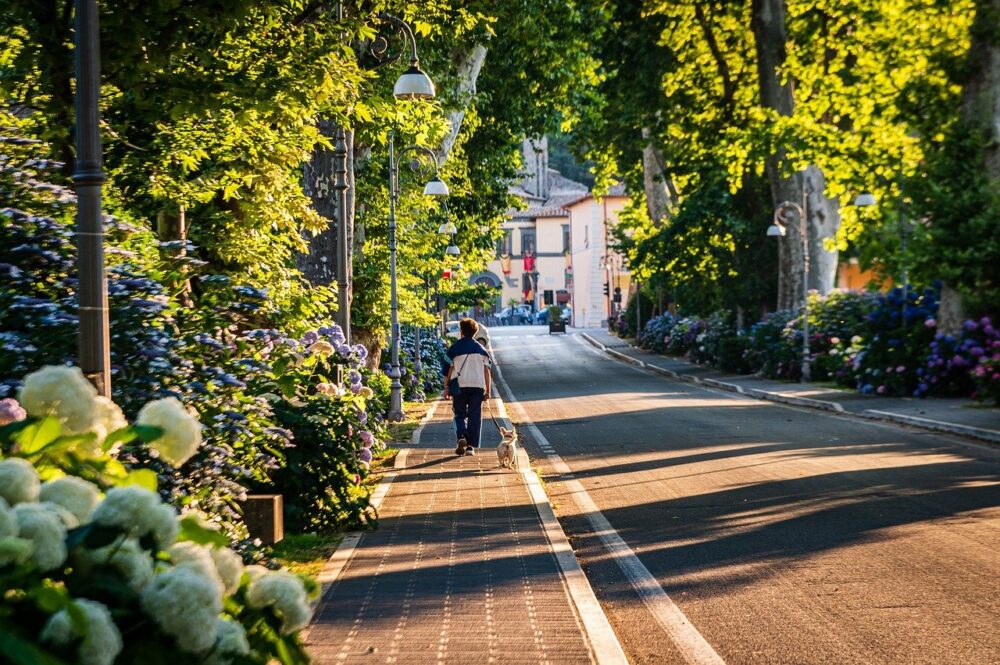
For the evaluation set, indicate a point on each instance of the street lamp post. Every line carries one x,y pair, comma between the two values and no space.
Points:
343,252
88,176
779,229
434,187
413,84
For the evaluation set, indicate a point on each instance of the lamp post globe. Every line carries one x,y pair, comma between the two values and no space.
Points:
865,200
414,84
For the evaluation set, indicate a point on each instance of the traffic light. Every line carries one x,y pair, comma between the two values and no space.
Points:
607,289
618,294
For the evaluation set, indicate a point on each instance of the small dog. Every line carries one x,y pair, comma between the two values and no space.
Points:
507,448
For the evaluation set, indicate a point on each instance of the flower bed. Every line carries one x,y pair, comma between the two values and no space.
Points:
881,344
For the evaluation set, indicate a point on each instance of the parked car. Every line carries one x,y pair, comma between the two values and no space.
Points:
513,316
542,317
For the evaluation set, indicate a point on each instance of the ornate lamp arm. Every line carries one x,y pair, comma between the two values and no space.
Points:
407,31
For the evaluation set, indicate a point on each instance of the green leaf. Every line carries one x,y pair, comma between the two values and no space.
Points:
76,536
50,599
143,478
78,619
9,432
147,433
38,435
99,536
193,530
119,437
19,651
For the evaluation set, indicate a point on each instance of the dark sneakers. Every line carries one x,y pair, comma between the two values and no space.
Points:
462,444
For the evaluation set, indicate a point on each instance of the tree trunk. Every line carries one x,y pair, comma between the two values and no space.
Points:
768,25
981,89
981,110
319,264
660,193
824,222
467,64
372,340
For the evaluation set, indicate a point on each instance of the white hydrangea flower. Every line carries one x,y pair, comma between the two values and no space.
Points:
138,511
102,643
67,518
76,495
127,557
12,548
62,392
44,528
197,556
231,641
229,565
181,431
185,604
15,550
284,591
108,418
255,571
19,481
8,523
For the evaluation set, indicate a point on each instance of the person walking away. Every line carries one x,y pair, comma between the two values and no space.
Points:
467,383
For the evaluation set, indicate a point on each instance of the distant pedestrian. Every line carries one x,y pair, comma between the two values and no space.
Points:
467,383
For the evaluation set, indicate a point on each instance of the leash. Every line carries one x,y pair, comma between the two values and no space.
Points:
489,408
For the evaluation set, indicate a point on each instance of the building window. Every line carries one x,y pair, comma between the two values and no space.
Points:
567,244
504,244
528,241
549,297
586,236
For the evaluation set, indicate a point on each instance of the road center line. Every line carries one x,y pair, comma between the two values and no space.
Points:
689,642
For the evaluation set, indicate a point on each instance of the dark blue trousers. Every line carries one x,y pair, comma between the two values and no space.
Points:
468,408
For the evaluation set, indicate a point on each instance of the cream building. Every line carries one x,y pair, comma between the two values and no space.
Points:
554,251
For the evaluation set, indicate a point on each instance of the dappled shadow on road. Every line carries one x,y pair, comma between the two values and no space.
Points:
688,541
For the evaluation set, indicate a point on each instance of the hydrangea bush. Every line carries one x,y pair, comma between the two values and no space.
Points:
251,385
880,343
96,569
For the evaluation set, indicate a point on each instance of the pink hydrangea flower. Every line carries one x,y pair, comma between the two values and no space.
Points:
11,411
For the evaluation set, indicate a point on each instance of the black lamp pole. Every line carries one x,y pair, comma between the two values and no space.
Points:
88,176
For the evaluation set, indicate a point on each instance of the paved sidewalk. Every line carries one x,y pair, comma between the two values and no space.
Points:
459,571
957,416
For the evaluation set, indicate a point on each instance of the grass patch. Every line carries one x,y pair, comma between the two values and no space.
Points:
402,431
306,553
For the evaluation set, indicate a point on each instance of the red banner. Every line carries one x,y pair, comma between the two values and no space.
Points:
529,263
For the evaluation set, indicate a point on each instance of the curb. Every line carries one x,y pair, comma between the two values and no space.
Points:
808,402
933,425
596,627
797,401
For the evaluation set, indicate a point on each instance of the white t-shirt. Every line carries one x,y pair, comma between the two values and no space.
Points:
469,361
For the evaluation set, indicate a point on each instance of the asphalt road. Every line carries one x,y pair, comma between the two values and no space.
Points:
783,535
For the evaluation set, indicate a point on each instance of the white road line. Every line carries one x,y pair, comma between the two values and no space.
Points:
604,643
689,642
